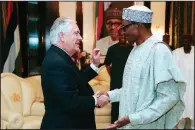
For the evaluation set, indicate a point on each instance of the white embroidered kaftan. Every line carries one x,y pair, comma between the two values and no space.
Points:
153,88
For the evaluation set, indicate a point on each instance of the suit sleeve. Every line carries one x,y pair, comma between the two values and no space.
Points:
64,84
88,74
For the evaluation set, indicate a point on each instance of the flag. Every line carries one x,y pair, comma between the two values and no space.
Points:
99,18
11,54
100,9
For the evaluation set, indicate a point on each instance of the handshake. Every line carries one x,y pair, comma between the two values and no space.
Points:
102,99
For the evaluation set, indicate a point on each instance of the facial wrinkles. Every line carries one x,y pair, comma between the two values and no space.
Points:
74,38
75,34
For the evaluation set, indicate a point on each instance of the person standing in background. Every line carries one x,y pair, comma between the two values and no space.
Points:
185,60
113,17
166,39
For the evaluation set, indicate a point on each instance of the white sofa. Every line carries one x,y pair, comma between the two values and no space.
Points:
20,108
22,101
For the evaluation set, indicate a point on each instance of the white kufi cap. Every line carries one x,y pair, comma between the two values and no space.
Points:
137,13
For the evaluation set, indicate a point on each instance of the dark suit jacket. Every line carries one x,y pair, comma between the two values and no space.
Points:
67,95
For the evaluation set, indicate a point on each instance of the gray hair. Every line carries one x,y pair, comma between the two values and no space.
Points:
61,24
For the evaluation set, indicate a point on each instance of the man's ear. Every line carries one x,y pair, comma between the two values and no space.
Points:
61,36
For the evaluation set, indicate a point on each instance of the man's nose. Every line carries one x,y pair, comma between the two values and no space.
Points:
80,38
113,26
124,33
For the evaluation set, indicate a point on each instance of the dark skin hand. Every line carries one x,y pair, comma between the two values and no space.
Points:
119,123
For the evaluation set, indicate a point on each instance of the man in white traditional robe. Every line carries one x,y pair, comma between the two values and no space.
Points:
185,60
151,96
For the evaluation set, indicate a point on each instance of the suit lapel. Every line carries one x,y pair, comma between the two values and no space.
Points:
83,87
66,58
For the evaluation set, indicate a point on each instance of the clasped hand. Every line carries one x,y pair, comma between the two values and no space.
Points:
119,123
102,99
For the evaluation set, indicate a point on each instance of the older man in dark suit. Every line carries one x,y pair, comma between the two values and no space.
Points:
69,99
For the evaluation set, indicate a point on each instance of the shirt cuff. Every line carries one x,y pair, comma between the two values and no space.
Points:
95,98
96,69
135,119
110,95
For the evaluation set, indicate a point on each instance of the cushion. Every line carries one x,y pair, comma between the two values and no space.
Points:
37,109
105,111
11,90
103,119
93,82
102,88
103,74
28,92
32,122
102,125
36,83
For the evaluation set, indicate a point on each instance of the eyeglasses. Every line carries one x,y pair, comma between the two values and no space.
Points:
126,27
116,24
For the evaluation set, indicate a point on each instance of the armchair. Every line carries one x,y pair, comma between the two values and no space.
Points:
19,107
